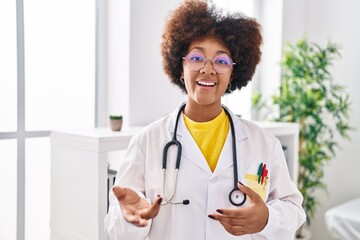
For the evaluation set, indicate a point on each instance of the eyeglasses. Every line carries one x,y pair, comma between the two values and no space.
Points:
222,63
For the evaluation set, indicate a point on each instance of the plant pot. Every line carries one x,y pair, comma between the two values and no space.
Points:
116,124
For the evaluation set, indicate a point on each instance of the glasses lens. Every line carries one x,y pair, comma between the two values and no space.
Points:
195,60
222,63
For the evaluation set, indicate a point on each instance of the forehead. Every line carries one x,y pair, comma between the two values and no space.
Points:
209,45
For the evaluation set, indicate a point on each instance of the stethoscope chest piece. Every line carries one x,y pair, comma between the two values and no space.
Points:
237,197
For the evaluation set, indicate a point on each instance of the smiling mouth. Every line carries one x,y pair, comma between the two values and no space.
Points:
205,84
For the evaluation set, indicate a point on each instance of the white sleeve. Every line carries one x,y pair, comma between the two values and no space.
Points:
131,175
286,214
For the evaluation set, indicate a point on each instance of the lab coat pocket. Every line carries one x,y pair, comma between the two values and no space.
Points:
252,181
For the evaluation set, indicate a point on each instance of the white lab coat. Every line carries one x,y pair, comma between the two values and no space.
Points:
206,191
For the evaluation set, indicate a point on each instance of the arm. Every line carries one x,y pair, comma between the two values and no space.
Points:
278,218
286,214
128,216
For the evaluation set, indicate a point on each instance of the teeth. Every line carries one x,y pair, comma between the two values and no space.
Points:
208,84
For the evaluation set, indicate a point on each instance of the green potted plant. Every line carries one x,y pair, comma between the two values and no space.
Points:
116,122
309,96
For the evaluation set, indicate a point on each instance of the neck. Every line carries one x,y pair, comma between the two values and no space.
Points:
202,113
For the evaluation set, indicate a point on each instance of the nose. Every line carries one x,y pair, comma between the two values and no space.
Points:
208,68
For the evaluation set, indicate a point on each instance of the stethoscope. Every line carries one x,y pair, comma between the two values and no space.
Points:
236,197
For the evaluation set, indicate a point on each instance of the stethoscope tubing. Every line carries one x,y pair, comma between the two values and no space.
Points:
174,141
234,193
232,129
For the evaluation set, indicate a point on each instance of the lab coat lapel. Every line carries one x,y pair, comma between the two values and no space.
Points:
226,157
190,150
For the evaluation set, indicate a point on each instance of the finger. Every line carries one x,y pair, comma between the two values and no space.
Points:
141,223
135,219
238,213
232,225
152,211
234,230
119,192
131,218
249,192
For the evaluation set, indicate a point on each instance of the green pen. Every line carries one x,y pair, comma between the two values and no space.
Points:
260,172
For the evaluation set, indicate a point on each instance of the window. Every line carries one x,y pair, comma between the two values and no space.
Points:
8,188
48,50
59,64
8,100
238,101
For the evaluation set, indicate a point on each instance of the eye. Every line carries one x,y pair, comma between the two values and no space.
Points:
195,57
223,60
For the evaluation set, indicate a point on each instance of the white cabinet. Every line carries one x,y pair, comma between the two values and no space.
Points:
288,134
79,176
79,181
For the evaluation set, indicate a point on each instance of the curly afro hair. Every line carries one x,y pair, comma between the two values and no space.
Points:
195,19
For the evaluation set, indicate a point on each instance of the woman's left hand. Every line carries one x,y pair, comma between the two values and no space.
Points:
240,221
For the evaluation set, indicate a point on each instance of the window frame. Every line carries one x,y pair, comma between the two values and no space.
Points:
20,134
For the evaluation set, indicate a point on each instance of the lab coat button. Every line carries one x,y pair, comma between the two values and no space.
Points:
214,180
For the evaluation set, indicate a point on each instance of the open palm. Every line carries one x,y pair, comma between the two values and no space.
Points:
136,210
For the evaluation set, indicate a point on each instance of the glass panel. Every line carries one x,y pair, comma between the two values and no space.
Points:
60,64
37,189
238,101
245,6
8,188
8,66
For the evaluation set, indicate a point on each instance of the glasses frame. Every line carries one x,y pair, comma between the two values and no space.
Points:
212,63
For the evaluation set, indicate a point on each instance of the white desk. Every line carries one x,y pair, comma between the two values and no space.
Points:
79,181
79,176
343,221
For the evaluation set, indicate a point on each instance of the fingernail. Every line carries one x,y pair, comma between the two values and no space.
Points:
159,201
210,216
158,195
219,211
241,183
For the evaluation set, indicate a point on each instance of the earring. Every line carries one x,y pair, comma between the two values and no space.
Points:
229,87
182,80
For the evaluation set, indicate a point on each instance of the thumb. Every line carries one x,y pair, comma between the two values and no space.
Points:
152,211
249,192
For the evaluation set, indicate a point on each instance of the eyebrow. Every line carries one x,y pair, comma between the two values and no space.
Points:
217,52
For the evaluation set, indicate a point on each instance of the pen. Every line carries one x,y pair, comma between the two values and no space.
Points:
259,173
263,174
265,178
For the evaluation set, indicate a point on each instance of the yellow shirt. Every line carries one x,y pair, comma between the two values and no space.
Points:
209,136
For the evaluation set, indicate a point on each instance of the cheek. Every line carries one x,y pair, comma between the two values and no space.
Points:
188,75
226,80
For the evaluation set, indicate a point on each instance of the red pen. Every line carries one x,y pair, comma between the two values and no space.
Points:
263,174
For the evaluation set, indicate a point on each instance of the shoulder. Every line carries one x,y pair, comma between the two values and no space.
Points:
255,130
155,130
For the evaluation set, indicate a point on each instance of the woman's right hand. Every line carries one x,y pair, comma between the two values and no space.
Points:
136,210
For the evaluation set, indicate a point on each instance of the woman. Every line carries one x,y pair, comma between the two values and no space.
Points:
230,179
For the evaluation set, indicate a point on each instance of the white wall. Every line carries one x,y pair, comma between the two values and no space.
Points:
269,15
136,85
151,93
334,20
